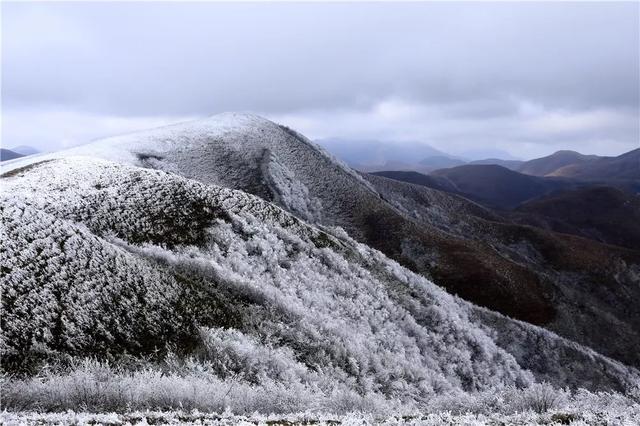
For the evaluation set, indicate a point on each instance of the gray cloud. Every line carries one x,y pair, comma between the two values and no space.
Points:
530,75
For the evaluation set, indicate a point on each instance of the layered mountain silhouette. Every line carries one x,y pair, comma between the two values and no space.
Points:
25,150
622,167
111,247
596,189
509,164
7,154
369,154
548,165
440,161
373,156
498,186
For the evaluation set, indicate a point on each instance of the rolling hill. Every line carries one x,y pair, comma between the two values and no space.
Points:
622,167
498,186
548,165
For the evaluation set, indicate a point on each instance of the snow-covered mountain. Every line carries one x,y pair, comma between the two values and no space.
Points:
582,290
136,243
101,258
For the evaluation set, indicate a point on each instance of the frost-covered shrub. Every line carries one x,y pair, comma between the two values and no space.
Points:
542,397
98,387
234,354
94,386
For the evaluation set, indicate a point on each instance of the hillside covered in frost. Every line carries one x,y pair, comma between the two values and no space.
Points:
229,261
580,289
106,260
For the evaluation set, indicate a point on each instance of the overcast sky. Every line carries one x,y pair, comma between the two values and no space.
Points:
523,78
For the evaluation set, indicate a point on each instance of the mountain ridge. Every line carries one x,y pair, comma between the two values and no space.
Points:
547,165
7,154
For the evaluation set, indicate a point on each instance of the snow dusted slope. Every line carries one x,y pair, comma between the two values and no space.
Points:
102,258
584,291
240,151
255,155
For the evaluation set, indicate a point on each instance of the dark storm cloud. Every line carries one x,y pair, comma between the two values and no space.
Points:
459,63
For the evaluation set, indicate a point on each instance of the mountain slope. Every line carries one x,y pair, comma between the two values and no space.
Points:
523,273
601,213
429,181
257,156
548,165
100,258
509,164
584,289
7,154
439,162
25,150
622,167
498,186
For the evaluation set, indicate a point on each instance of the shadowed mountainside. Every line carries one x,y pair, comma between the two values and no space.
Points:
578,278
509,164
498,186
622,167
7,154
545,166
600,213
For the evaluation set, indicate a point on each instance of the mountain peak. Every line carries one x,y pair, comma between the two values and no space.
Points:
565,152
238,119
547,165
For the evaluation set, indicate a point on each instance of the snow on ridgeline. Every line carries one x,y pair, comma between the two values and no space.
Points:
276,300
230,150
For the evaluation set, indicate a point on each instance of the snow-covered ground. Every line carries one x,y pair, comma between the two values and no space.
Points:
619,416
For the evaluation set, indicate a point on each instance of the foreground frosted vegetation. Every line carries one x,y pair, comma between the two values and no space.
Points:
185,392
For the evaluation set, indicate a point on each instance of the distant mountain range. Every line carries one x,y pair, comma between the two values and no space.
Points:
17,152
548,165
497,186
622,167
25,150
7,154
376,156
590,196
374,153
509,164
